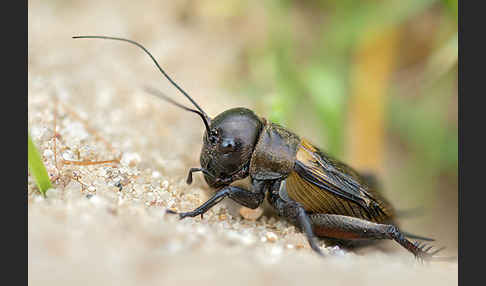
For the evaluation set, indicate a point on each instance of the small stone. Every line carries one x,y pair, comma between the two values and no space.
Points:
68,155
222,217
102,172
92,189
48,153
271,237
170,203
251,214
336,250
119,185
130,159
165,184
149,196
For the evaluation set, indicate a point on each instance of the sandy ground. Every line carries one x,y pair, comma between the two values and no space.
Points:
106,224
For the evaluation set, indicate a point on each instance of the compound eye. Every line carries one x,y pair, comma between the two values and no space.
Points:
213,136
228,145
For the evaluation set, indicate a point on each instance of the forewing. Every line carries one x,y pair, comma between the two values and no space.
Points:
335,177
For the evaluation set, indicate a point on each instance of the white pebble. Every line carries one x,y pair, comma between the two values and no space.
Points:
102,172
130,159
68,155
165,184
336,250
271,237
48,153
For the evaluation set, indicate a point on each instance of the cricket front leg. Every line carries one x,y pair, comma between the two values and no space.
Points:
345,227
247,198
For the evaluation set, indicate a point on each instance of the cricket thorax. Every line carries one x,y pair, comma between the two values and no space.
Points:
274,154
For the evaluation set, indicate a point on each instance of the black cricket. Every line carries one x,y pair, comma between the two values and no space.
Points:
324,197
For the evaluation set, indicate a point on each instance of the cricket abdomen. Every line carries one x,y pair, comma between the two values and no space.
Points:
317,200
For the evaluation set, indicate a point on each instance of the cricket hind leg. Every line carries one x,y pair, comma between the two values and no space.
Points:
350,228
360,243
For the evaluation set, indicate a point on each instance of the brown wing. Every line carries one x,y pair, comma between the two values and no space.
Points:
325,185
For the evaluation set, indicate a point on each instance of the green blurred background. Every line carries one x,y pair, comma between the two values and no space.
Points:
373,83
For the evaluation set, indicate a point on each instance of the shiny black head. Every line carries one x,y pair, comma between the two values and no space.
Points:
227,149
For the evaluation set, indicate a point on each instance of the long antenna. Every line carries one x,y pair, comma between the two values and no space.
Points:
161,95
156,63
